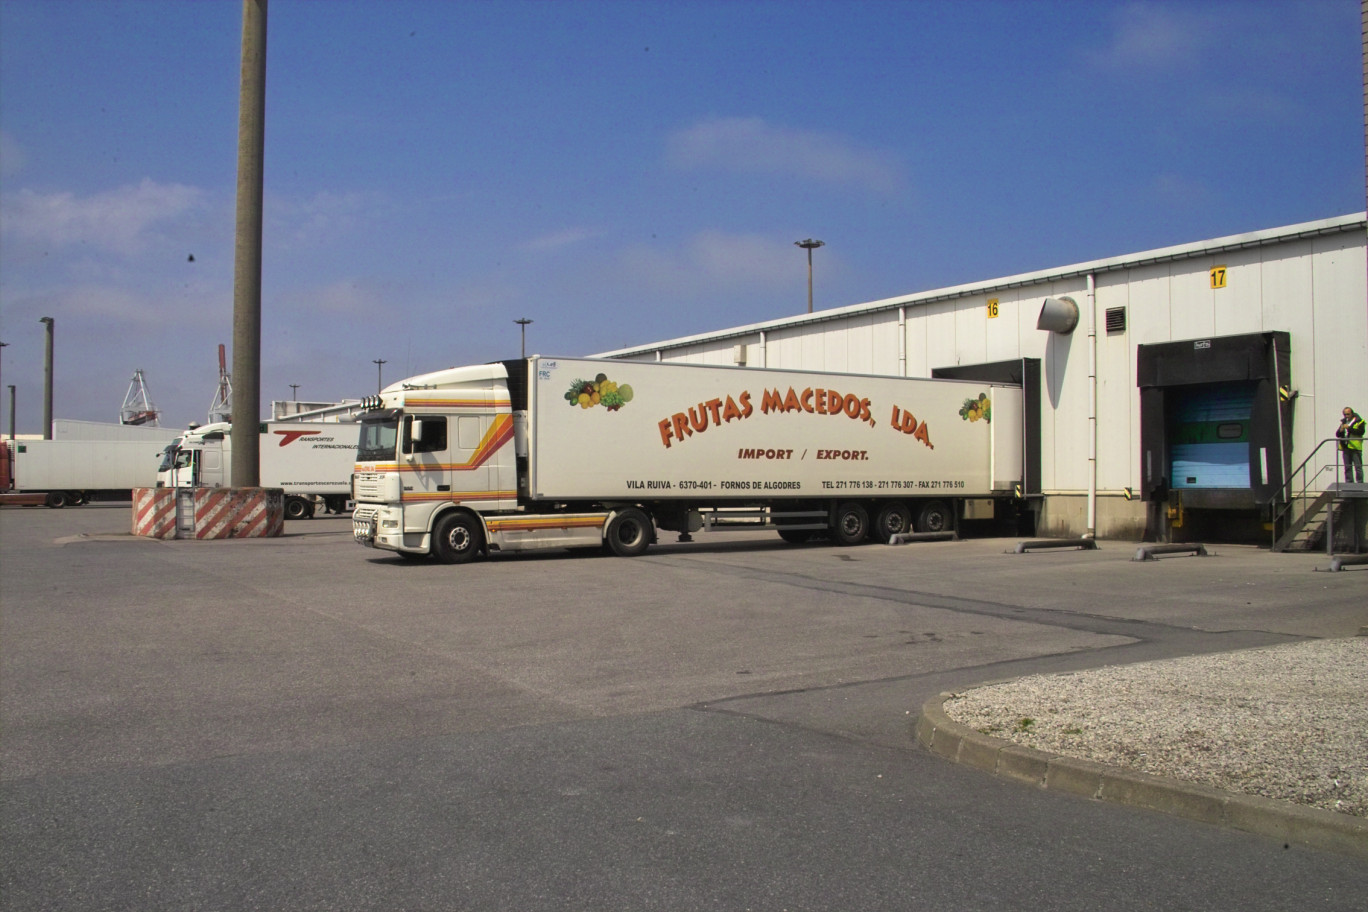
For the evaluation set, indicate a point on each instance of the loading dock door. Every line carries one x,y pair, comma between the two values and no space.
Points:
1209,435
1211,421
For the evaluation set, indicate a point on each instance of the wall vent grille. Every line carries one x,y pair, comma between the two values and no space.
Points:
1116,319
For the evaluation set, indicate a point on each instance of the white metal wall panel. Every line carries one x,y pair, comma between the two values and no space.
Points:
1190,308
1002,334
884,344
939,338
1149,307
1340,313
1065,396
1118,402
1286,292
1238,307
971,346
834,348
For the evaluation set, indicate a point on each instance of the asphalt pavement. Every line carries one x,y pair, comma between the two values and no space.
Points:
301,723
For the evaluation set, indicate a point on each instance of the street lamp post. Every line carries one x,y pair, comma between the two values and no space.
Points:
47,376
809,245
522,323
294,391
379,367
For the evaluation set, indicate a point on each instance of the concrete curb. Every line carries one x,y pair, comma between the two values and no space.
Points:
1282,820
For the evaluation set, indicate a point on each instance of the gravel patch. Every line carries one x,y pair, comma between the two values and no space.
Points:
1287,722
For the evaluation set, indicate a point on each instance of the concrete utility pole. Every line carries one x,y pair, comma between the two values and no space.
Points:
47,378
810,245
247,253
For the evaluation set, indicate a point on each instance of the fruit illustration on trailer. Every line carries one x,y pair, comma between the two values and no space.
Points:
974,409
599,391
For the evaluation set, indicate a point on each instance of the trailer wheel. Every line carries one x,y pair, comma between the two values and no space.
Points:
457,539
935,516
298,508
894,518
57,499
629,533
851,524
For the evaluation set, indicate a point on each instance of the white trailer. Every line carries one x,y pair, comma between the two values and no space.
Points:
59,473
310,460
554,452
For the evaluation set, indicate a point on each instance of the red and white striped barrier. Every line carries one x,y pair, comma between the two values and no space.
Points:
239,512
210,513
154,512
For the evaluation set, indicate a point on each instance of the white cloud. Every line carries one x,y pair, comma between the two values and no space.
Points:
716,261
1153,37
123,221
313,222
752,145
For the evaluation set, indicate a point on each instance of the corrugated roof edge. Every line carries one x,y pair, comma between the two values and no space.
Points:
1111,264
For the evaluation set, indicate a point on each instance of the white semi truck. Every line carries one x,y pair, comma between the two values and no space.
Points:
58,473
310,460
556,452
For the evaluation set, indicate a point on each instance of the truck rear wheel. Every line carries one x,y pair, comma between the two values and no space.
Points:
894,518
851,524
457,539
629,533
298,508
58,499
934,516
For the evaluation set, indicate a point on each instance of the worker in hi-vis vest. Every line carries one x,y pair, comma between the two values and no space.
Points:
1350,434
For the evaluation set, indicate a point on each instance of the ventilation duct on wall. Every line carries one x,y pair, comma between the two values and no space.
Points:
1058,315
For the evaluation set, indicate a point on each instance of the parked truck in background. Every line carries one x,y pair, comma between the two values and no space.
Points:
310,460
554,452
84,461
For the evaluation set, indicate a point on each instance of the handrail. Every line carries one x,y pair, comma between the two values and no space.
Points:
1288,499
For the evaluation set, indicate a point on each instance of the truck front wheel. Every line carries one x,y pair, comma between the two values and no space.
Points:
629,533
457,539
851,524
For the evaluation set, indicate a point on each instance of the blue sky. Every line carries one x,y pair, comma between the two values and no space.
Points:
617,172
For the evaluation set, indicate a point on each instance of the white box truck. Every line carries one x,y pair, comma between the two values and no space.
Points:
556,452
59,473
310,460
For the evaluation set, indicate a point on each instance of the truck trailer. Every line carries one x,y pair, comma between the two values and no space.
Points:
59,473
557,452
310,460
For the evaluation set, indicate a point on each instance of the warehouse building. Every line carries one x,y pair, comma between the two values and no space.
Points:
1179,394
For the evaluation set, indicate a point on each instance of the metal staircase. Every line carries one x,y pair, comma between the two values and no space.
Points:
1314,511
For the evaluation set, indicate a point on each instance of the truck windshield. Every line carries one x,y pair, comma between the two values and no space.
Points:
379,437
168,455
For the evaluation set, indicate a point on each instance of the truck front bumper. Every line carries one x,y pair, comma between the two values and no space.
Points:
378,526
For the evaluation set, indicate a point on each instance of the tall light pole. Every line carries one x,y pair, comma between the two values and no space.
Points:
809,245
47,377
294,391
379,366
523,324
